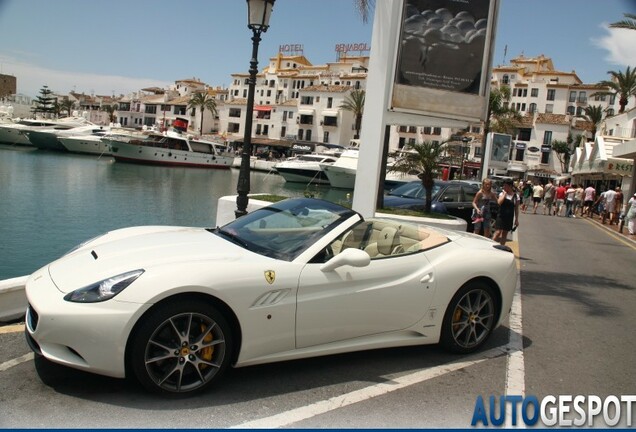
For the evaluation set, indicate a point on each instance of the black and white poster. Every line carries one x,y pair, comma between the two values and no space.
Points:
444,56
442,44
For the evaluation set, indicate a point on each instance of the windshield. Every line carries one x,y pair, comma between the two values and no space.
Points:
286,229
413,190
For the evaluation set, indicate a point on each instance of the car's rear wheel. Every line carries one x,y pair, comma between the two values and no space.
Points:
181,348
470,318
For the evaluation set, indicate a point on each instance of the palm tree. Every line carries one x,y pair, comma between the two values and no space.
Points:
110,109
203,101
354,102
501,118
622,84
594,115
422,158
628,23
67,105
364,7
563,152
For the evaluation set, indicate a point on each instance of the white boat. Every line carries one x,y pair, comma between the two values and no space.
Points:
171,149
14,133
87,143
49,138
342,173
305,168
257,164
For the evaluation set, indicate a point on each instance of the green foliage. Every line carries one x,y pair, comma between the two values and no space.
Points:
354,102
622,84
45,101
421,158
110,109
593,114
502,118
203,101
628,23
67,106
563,152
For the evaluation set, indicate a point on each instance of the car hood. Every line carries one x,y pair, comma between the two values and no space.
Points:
138,248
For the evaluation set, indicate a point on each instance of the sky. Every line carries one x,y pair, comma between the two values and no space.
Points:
120,46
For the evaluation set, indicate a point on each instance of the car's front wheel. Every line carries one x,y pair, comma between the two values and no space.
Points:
181,348
470,318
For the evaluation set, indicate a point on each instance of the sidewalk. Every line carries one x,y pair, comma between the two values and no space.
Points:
611,227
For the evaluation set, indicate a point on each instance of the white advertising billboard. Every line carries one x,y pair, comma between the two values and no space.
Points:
444,58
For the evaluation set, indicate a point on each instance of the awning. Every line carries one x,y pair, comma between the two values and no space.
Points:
328,113
262,108
306,111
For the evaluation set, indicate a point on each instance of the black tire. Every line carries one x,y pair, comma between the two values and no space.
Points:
470,318
181,348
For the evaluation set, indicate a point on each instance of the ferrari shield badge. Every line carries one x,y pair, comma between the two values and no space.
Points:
270,276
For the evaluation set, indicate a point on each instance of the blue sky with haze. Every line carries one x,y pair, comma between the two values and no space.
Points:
121,46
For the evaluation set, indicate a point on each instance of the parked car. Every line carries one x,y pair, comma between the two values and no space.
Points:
176,306
454,197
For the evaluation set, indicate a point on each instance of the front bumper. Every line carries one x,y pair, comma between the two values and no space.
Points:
87,336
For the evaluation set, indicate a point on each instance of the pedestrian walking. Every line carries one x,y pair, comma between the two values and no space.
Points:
630,215
610,205
537,196
482,202
560,199
579,195
508,214
548,197
588,200
569,201
619,203
526,196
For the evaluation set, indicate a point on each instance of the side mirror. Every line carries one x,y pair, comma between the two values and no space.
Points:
353,257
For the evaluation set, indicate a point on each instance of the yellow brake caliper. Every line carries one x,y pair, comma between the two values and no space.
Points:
207,352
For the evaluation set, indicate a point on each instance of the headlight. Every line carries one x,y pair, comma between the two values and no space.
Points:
103,290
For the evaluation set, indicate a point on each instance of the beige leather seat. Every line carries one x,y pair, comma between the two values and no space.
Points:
388,243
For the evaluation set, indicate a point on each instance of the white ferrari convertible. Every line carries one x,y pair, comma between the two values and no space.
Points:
175,306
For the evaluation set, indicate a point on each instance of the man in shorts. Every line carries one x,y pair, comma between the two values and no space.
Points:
560,199
548,197
537,196
588,201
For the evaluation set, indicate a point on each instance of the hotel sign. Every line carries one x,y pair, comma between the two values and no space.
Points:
444,58
291,48
352,47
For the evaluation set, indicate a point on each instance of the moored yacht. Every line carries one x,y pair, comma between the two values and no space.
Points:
13,133
305,168
170,148
342,173
90,143
49,138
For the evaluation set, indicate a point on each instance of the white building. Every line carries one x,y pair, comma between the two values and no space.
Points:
552,103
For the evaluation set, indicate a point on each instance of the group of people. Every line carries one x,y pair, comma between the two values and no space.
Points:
507,219
566,200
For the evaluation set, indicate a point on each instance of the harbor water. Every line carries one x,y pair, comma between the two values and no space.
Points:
50,202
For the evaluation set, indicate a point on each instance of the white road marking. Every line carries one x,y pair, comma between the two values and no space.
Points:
302,413
515,371
9,364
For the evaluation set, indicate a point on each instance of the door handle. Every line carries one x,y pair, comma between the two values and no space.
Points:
427,278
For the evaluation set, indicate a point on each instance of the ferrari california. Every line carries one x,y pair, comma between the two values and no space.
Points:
174,307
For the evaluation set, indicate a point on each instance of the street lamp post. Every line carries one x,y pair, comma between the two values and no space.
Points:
464,147
258,13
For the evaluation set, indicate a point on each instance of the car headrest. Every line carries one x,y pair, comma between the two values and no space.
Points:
387,240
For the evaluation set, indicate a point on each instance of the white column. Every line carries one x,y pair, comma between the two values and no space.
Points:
379,85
